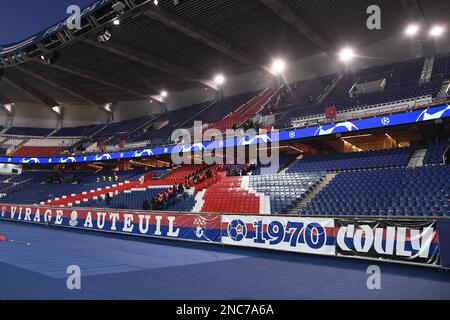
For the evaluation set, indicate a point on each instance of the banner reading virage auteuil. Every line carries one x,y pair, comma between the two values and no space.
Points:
411,241
174,226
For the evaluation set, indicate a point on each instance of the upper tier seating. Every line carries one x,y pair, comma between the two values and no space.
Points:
244,113
284,190
435,153
421,191
43,147
223,107
356,160
402,82
80,131
441,66
26,151
21,131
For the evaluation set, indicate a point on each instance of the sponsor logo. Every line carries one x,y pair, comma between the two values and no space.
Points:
385,121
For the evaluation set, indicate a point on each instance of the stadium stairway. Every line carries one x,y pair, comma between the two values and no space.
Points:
312,194
417,158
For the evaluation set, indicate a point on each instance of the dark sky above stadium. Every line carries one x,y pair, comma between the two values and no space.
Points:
20,19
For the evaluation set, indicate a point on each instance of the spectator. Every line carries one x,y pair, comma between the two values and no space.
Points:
108,199
146,205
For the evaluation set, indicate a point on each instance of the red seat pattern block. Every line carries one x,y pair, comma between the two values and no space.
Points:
36,151
226,196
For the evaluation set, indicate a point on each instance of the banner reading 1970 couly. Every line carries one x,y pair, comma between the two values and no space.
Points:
174,226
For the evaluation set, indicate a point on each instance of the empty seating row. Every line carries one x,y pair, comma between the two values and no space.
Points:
435,153
355,160
421,191
285,190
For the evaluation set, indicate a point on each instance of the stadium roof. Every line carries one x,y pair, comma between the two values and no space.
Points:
179,47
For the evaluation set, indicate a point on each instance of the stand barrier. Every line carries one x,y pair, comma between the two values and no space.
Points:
424,242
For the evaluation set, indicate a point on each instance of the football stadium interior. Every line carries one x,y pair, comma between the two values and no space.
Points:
353,114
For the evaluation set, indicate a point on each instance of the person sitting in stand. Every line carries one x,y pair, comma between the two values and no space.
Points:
146,205
108,199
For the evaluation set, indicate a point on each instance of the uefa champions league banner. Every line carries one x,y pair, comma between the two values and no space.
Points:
418,116
163,225
306,235
406,241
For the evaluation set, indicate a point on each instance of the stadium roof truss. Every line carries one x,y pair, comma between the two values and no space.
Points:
177,47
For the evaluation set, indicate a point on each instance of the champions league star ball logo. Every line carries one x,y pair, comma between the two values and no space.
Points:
385,121
73,219
237,230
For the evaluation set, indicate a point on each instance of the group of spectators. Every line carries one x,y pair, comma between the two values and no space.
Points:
112,178
165,199
55,180
241,171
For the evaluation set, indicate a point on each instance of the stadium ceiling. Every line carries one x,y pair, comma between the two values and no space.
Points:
181,46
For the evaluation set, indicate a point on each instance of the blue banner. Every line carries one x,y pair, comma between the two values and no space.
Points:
419,116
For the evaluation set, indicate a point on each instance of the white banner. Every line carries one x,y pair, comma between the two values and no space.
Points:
307,235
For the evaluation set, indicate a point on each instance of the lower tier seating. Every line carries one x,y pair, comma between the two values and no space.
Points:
435,153
228,196
356,160
284,190
421,191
